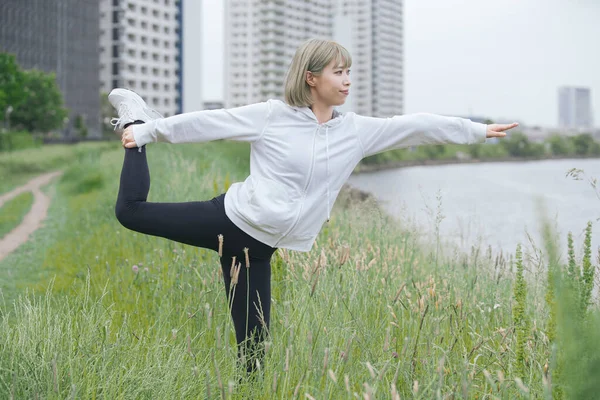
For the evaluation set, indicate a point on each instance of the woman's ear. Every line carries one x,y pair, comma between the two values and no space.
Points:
310,79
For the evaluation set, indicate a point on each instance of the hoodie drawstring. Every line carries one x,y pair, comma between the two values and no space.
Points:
327,169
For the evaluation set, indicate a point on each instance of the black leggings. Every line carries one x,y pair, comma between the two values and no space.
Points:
198,224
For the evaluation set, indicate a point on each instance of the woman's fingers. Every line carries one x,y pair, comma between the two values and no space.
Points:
497,130
503,127
509,126
127,138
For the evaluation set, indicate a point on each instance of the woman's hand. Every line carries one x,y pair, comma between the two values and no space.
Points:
497,130
127,138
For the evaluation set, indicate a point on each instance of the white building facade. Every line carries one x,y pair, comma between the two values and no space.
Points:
575,108
140,49
387,43
261,38
372,30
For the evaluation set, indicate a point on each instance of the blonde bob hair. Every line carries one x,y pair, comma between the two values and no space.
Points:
313,55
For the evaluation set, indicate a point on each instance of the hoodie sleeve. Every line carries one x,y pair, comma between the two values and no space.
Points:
242,124
381,134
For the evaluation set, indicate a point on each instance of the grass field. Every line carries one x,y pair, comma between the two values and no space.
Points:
17,167
371,312
13,211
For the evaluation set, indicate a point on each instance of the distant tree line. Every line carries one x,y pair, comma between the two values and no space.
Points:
30,100
515,144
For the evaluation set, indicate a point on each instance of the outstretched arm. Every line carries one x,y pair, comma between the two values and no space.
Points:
381,134
242,123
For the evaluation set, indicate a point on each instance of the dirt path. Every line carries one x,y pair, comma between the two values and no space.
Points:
34,217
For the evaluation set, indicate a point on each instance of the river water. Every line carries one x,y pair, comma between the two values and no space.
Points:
490,204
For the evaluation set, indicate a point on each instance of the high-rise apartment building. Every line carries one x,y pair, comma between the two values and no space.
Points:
261,38
140,49
192,57
59,36
575,108
372,30
387,62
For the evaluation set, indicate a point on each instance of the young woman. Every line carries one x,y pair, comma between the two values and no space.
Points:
302,152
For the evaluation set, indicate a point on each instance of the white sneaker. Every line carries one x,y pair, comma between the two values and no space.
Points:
130,107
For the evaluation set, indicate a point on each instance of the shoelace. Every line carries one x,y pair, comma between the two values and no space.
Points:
125,115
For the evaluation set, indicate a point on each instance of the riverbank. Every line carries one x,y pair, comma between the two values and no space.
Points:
366,168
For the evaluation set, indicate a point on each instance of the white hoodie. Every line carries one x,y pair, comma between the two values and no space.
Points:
298,166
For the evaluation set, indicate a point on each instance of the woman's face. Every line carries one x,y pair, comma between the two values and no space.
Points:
332,86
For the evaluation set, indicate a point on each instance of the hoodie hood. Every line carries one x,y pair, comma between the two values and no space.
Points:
336,117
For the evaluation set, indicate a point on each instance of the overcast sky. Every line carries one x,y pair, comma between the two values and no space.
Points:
497,59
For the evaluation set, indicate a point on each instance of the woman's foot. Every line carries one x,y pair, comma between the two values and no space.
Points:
130,108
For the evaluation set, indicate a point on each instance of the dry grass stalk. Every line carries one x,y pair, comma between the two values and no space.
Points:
332,375
236,274
231,270
220,245
344,254
247,257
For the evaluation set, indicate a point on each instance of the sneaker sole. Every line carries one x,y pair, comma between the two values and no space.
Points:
149,112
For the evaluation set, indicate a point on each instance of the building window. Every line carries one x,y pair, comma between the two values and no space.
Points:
115,68
115,50
131,6
144,84
167,29
167,59
144,55
155,13
115,34
167,86
144,39
115,3
144,10
115,83
144,69
155,56
115,17
155,86
144,24
155,28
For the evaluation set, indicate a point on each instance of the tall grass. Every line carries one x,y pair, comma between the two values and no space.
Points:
371,312
13,211
17,167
